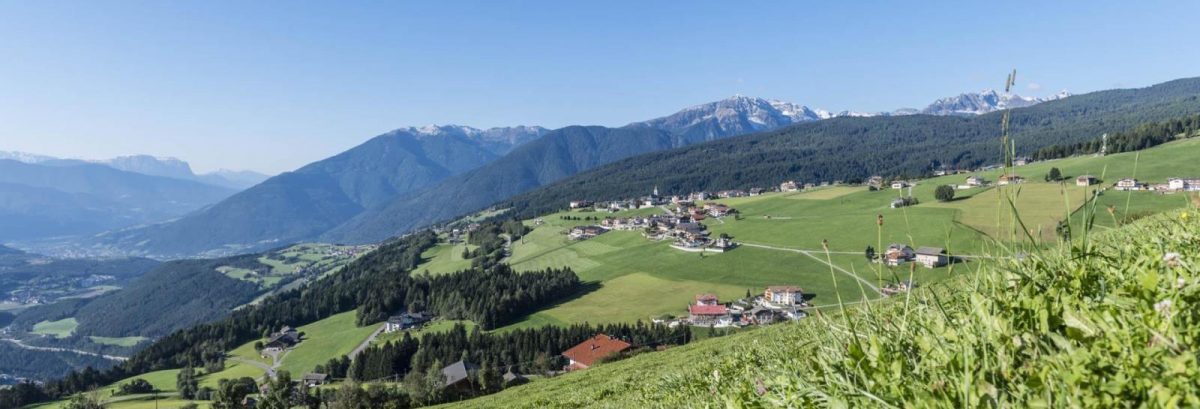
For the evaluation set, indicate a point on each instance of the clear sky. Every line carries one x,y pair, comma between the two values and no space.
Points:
270,86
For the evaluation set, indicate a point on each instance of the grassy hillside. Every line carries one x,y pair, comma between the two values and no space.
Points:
783,234
1110,324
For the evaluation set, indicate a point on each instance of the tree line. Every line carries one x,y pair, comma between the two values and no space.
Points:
1142,137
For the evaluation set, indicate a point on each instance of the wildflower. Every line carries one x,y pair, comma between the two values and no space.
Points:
1183,216
1180,282
1163,308
1172,259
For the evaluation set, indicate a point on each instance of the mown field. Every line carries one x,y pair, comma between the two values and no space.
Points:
639,279
1039,333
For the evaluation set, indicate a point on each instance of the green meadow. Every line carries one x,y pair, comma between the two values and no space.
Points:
59,329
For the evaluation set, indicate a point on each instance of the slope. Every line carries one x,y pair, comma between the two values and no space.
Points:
1017,334
557,155
303,204
41,200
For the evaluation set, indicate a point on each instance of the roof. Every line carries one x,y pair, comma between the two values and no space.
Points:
931,251
510,376
458,371
599,346
314,377
785,289
696,309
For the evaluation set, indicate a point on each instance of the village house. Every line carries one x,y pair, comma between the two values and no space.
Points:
1181,184
586,354
897,254
789,186
1085,180
931,257
717,209
690,231
899,184
784,294
756,191
405,321
708,311
723,244
579,204
1009,180
725,194
585,232
1021,161
698,196
1128,184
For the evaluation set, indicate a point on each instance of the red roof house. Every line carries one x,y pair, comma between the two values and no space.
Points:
588,352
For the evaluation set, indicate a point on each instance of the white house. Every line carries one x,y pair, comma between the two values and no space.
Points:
931,257
784,294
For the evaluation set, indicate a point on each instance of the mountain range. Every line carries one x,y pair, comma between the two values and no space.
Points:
153,166
58,198
419,175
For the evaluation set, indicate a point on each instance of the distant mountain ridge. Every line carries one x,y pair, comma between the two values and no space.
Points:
308,202
71,198
378,189
153,166
988,100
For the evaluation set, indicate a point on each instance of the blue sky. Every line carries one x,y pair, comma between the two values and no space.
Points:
271,86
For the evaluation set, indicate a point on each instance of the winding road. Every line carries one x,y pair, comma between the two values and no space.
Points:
23,345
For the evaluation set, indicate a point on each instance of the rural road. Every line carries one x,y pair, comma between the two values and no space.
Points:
268,370
23,345
366,343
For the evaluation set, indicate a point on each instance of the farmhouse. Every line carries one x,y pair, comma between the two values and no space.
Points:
897,254
459,375
1021,161
405,321
285,338
725,194
585,232
588,352
875,182
1009,180
314,379
976,181
931,257
784,294
723,244
579,204
1128,184
789,186
756,191
1085,180
708,311
897,288
899,184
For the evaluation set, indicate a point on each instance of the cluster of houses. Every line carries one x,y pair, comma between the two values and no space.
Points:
777,303
1171,186
683,227
656,200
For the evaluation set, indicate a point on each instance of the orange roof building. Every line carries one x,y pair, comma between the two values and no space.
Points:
588,352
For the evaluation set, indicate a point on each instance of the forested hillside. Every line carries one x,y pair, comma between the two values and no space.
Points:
558,154
850,149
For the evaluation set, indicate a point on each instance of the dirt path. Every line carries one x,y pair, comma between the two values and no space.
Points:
823,261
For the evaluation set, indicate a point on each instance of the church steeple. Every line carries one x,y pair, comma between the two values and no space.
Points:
655,194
